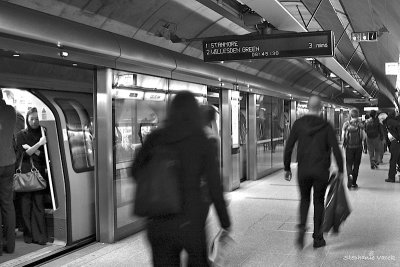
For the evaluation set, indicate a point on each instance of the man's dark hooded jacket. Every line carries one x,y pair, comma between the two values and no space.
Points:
316,140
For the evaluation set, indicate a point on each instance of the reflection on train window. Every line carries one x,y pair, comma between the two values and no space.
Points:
80,134
133,118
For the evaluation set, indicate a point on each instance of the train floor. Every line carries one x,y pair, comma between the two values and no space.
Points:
264,214
25,252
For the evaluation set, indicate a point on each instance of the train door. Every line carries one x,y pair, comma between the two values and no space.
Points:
69,200
75,133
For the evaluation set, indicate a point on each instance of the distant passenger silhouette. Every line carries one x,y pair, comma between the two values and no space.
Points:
7,168
316,140
169,235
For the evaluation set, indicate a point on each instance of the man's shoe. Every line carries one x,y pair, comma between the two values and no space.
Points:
373,167
319,243
390,181
349,181
355,186
300,238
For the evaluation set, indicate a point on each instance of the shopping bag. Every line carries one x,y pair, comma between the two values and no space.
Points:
218,248
337,208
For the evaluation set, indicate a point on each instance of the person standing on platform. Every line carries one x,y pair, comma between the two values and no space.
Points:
393,128
374,139
7,168
353,136
365,144
316,140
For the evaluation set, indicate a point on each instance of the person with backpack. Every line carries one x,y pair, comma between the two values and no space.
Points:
189,155
353,136
374,139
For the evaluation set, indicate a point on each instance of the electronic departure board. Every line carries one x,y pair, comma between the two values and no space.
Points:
245,47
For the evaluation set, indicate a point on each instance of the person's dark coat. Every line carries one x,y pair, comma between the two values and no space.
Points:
30,137
393,127
196,154
316,140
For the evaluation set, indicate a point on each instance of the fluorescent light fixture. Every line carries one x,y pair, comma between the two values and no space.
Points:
64,54
371,108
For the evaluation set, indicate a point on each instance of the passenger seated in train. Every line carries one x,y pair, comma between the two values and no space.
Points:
30,144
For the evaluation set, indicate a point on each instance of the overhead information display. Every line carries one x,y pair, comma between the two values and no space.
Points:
245,47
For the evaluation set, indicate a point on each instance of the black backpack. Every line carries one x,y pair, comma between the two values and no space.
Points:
372,128
353,137
159,183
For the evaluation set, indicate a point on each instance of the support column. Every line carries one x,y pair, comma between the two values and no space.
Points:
341,118
251,138
104,165
226,140
293,114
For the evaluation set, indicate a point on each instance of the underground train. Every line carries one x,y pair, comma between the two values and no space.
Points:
97,95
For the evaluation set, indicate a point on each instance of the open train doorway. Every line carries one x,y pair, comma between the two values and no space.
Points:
65,119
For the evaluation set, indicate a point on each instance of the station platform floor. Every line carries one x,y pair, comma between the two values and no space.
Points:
264,215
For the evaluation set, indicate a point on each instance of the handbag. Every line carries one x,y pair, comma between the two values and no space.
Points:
30,181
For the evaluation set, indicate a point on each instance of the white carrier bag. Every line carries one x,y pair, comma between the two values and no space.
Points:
218,248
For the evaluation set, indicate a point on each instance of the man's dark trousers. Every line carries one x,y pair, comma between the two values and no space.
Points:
7,207
319,184
394,158
353,160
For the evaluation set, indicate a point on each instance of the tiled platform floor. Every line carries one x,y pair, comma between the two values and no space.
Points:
264,216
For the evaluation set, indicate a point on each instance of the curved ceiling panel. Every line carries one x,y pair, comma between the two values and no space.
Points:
157,21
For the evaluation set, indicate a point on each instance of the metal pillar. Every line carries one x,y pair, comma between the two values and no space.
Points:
341,118
293,114
226,140
104,164
251,138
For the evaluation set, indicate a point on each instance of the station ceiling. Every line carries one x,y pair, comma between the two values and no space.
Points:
180,25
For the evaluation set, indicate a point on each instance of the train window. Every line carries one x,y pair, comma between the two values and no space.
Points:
80,134
132,119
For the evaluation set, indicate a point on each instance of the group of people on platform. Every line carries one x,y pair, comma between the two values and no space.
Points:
376,134
316,141
17,147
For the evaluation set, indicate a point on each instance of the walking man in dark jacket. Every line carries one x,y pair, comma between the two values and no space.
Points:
316,140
